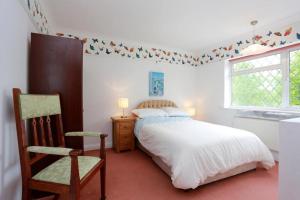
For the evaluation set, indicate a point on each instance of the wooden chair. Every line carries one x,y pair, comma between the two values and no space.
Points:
66,176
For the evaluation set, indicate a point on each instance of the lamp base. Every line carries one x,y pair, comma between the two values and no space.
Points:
123,116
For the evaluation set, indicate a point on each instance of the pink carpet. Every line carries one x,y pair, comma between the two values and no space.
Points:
134,176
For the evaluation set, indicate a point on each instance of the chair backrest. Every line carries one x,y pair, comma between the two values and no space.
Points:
39,111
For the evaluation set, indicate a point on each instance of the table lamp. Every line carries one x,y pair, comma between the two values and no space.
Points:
191,111
123,103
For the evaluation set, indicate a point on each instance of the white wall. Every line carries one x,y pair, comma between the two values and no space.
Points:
108,77
211,92
15,31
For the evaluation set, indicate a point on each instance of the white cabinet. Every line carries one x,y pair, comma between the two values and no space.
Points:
289,159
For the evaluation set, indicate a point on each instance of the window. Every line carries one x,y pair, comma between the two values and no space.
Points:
270,81
294,77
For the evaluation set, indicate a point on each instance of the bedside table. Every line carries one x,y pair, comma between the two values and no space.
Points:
123,136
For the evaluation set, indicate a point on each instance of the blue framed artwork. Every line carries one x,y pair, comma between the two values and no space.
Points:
156,84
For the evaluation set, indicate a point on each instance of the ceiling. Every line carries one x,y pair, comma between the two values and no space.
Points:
185,24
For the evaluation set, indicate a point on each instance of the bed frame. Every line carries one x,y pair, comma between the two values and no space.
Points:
166,103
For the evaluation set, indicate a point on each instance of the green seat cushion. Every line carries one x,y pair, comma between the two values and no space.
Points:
84,133
60,171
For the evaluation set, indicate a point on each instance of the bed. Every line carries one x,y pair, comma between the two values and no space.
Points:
195,153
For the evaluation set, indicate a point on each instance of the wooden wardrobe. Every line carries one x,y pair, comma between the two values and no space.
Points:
56,67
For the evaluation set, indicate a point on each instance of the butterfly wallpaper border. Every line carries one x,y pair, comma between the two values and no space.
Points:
271,38
97,46
102,46
37,14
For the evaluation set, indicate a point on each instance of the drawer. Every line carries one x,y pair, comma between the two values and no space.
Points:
126,126
126,132
125,138
125,143
125,146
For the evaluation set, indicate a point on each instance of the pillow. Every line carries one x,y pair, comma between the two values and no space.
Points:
175,112
149,112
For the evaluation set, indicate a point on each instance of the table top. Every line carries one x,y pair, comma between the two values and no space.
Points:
126,118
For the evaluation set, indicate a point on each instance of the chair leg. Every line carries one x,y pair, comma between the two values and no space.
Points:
26,193
75,195
102,183
64,196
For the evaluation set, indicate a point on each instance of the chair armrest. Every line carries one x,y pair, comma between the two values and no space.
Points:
50,150
88,134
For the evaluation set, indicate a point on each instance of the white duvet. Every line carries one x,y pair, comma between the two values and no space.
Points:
196,150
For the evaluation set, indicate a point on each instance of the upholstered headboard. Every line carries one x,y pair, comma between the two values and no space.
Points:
156,104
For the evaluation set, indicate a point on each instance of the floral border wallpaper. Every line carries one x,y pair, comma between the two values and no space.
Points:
36,13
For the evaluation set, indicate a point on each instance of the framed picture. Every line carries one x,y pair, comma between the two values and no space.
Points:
156,84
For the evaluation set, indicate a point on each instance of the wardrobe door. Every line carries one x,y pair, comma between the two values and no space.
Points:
56,67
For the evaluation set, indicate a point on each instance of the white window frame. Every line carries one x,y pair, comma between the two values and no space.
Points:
284,66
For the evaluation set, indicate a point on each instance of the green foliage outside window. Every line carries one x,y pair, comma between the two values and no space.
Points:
295,78
262,89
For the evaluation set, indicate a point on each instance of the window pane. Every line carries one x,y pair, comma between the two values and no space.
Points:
258,89
256,63
295,78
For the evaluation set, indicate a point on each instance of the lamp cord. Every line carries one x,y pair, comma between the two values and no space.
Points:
253,23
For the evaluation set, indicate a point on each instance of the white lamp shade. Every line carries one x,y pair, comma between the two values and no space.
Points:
123,102
191,111
255,49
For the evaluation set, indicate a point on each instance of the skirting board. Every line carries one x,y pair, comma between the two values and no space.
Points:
275,155
88,147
